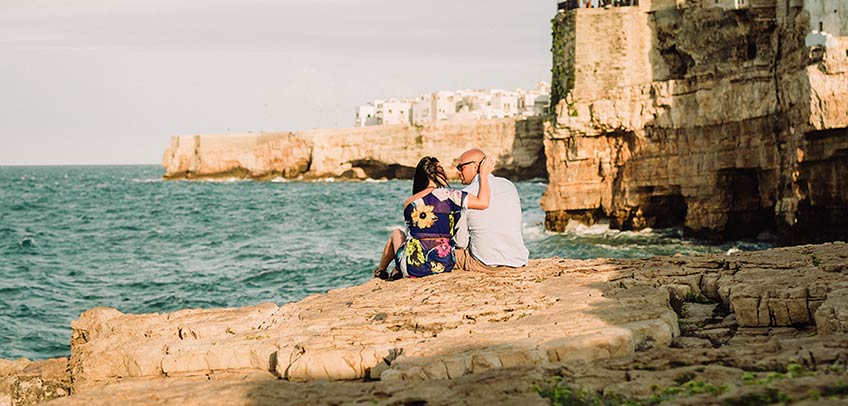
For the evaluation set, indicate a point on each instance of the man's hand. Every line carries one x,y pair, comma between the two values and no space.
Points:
486,166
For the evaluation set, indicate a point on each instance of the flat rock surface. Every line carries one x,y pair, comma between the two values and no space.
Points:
444,326
605,326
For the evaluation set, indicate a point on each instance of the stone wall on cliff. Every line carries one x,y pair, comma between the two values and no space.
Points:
390,151
736,130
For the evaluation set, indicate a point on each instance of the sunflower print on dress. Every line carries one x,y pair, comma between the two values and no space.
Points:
423,217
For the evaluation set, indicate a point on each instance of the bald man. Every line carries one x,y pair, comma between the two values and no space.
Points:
489,239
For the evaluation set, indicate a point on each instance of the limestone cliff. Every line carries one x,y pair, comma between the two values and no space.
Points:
722,121
366,152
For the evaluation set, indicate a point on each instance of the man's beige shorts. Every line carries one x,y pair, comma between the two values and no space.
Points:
466,262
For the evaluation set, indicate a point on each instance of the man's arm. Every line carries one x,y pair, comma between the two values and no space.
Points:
463,236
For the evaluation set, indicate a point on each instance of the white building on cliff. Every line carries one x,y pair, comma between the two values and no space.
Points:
456,105
828,25
366,114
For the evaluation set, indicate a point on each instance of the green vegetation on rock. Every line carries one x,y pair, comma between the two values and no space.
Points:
561,394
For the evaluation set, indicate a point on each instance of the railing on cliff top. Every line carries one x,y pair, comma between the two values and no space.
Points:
573,4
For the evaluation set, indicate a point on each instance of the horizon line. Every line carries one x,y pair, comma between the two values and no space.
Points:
78,164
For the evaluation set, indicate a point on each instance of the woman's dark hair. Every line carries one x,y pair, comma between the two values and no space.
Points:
428,169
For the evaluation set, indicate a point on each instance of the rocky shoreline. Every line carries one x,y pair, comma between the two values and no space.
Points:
711,329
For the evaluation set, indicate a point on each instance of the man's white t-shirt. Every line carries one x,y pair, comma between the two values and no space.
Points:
494,235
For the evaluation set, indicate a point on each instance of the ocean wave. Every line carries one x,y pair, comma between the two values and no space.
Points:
27,242
533,231
612,247
593,230
227,180
262,277
536,181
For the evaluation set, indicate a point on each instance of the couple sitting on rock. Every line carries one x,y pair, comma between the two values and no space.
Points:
474,229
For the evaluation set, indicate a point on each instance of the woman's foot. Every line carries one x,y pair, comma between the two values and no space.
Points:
381,273
394,275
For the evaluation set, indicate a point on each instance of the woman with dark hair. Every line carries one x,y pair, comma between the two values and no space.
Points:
432,214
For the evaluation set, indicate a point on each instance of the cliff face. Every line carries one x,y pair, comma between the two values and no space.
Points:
721,121
369,152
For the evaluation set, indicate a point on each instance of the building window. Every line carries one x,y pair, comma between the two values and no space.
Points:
821,26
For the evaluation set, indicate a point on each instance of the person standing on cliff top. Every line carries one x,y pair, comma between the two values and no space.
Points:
489,239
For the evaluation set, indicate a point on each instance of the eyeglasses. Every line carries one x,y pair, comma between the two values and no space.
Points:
460,166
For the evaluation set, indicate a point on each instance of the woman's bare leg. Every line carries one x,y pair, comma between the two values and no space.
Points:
392,245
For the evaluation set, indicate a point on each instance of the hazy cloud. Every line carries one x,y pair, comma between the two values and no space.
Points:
96,81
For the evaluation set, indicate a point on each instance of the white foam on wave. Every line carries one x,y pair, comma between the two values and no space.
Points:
369,180
226,180
593,230
638,235
151,180
533,230
614,248
279,179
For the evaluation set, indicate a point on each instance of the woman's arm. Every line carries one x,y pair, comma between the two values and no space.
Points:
481,200
416,196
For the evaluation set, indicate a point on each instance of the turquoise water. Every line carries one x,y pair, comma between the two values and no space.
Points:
72,238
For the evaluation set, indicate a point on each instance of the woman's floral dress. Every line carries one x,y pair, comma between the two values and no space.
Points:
431,223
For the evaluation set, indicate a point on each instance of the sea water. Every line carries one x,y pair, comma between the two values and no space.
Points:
72,238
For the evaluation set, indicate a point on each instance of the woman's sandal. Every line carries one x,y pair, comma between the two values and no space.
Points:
381,273
386,276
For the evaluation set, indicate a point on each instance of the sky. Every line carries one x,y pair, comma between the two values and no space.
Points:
110,81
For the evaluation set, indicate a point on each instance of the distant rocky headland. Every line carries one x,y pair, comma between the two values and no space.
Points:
713,329
385,151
